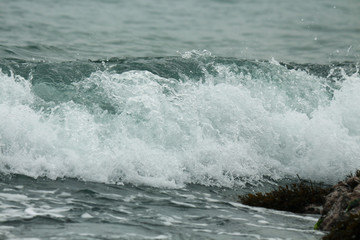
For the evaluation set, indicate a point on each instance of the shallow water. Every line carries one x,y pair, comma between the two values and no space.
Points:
113,127
69,209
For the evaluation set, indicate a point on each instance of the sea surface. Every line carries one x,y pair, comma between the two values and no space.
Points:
147,119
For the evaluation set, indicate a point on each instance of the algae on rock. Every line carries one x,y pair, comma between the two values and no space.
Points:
295,198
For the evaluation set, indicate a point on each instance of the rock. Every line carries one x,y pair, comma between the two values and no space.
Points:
340,210
340,203
347,229
313,209
297,198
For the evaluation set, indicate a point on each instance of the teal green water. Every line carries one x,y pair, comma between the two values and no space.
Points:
146,119
306,31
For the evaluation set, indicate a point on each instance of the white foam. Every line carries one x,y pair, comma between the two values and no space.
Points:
86,215
232,128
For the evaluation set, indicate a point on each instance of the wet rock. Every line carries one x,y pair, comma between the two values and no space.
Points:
313,209
342,202
297,198
347,229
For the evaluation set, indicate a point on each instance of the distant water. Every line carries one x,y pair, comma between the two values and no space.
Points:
301,31
113,127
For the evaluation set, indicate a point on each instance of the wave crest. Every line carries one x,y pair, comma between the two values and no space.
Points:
237,124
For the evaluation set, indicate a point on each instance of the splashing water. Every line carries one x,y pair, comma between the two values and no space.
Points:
227,124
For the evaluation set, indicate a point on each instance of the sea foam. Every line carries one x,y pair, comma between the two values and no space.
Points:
231,128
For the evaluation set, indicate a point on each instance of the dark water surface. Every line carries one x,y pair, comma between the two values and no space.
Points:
69,209
116,123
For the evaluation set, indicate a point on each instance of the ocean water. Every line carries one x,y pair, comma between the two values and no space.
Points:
147,119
